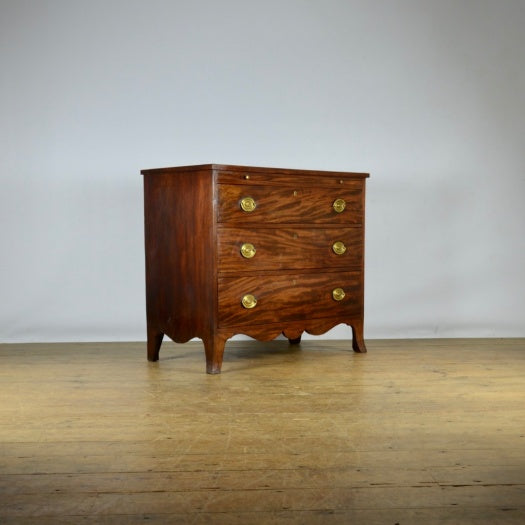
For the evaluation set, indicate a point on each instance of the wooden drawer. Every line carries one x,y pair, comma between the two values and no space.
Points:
314,205
265,177
288,297
288,248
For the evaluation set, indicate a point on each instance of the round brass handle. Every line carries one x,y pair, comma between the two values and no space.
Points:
338,294
339,205
249,301
248,250
339,247
248,204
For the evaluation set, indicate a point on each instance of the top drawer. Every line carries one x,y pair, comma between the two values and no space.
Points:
250,204
280,177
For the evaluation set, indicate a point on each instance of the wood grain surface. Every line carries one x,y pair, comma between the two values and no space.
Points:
281,177
415,431
180,298
289,248
302,205
195,227
288,297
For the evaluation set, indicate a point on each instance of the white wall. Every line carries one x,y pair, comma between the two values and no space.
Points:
427,95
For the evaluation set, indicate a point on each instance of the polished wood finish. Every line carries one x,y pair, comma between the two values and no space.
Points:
293,204
180,299
417,432
196,223
288,248
288,297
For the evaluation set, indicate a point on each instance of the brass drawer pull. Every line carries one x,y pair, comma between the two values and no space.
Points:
248,250
249,301
338,294
339,247
339,205
248,204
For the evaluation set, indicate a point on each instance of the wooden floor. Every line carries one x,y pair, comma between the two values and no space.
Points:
414,432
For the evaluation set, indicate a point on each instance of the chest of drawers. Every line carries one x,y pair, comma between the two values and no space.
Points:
256,251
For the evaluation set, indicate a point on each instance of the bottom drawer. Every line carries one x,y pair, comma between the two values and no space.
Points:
288,297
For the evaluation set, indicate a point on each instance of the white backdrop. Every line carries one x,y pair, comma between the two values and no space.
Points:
426,95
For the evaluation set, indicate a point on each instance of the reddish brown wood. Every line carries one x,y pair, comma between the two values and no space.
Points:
214,349
358,343
196,277
291,329
281,248
181,300
287,297
154,341
294,204
283,177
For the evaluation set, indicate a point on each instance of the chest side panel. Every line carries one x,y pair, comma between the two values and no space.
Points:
180,252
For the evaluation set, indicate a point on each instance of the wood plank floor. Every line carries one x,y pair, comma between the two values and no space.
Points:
414,432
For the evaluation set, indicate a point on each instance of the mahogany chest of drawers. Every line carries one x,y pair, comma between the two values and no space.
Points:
255,251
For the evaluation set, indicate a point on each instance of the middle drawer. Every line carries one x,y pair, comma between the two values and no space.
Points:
241,249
